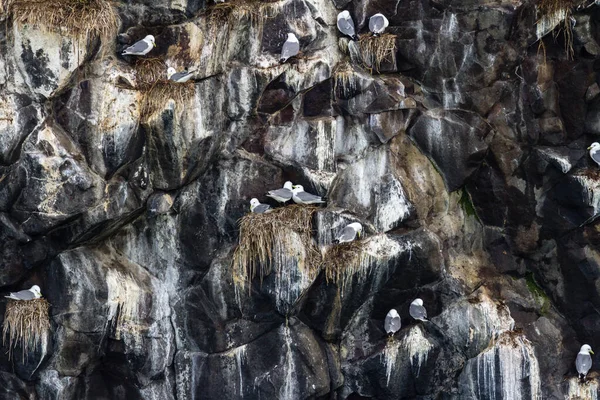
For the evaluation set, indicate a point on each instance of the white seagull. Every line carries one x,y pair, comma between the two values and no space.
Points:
29,294
349,233
282,195
179,77
258,208
290,48
583,362
140,48
378,23
392,322
346,25
301,197
417,311
595,152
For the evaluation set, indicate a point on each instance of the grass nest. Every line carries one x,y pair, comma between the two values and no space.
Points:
157,89
233,12
25,324
79,17
261,234
342,260
376,50
552,13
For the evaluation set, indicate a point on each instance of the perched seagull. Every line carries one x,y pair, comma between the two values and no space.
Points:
583,362
179,77
258,208
290,48
392,322
417,311
378,23
282,195
140,48
349,233
301,197
29,294
346,25
595,152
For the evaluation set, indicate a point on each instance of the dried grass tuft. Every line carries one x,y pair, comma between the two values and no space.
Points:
151,79
377,49
260,234
343,81
236,11
25,324
79,17
552,13
342,260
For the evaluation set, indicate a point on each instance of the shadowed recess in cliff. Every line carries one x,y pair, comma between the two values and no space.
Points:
26,324
376,50
266,242
80,17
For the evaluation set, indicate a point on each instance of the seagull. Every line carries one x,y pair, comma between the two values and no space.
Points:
583,362
282,195
346,25
140,48
290,48
179,77
258,208
301,197
595,152
392,322
29,294
417,311
378,23
350,232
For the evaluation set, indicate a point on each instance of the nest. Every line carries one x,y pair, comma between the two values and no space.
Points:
552,13
260,234
343,260
233,12
376,50
151,80
344,78
25,324
79,17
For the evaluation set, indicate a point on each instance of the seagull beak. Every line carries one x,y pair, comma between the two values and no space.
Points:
591,351
589,148
154,44
359,233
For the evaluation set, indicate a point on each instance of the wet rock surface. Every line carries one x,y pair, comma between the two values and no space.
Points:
463,155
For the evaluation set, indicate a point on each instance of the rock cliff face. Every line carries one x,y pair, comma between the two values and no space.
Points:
463,154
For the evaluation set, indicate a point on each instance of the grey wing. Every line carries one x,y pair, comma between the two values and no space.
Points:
24,295
308,198
179,75
392,324
262,208
583,362
347,235
282,193
417,312
289,49
596,157
138,47
346,26
376,23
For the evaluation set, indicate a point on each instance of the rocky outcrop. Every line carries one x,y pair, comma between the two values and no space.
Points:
462,153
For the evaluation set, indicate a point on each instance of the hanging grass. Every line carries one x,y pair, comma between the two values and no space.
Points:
25,324
78,17
261,235
376,50
553,13
233,12
342,260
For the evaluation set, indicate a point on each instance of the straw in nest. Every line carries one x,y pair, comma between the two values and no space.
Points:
377,49
343,260
261,233
25,324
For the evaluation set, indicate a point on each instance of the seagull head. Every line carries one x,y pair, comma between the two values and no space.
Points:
393,313
343,15
297,188
594,146
253,203
357,227
150,39
37,292
417,302
170,72
585,349
288,185
292,37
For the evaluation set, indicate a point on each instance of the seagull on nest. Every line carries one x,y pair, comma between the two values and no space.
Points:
301,197
349,233
140,48
33,293
282,195
290,48
258,208
392,323
346,25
